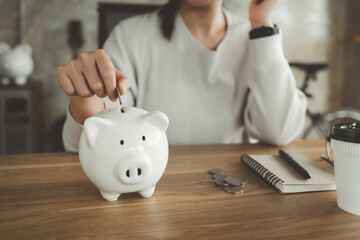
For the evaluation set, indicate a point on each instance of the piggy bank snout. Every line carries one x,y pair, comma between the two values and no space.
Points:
134,169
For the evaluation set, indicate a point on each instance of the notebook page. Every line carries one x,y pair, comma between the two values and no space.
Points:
285,172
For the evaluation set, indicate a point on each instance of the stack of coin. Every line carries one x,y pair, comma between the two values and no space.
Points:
230,184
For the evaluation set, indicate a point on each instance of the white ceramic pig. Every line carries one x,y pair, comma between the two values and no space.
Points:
15,63
124,150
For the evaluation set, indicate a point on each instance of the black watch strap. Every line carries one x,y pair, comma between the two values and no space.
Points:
263,32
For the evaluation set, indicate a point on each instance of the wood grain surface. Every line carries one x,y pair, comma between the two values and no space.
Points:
47,196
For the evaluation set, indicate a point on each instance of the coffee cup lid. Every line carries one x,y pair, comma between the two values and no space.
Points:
347,132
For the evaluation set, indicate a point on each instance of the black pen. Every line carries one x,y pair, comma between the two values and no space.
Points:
305,174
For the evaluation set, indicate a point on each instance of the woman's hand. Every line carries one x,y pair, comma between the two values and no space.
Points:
92,73
261,11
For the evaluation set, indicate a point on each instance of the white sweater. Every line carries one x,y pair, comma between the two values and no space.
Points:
244,88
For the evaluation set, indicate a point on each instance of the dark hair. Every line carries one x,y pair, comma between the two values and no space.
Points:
167,15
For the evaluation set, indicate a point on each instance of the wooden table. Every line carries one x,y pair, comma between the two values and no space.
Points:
47,196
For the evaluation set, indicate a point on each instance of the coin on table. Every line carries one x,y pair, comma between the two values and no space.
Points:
244,181
234,190
221,175
233,181
222,178
221,182
215,170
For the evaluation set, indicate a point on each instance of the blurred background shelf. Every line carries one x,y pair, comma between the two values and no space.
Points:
20,119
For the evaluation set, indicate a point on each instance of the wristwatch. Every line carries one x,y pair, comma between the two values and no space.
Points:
263,32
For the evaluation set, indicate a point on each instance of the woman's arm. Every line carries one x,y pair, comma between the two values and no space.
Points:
275,111
115,52
87,80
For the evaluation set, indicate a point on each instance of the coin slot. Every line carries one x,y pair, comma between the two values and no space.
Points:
128,173
139,171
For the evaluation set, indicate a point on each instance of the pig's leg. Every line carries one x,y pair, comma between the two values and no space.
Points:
20,80
147,192
109,196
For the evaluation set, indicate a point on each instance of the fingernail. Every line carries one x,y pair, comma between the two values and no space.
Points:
124,89
113,99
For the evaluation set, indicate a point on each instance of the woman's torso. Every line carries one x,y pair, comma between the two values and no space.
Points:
203,92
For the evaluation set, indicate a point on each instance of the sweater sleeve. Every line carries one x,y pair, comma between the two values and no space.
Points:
115,48
275,111
71,133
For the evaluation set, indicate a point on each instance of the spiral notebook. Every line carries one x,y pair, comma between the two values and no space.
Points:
285,179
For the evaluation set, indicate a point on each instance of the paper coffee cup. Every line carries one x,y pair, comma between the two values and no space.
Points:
345,142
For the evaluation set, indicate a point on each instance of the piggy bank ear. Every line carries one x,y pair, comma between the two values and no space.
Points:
93,127
24,47
4,47
158,120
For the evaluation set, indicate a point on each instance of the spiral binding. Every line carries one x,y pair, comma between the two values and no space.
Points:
262,171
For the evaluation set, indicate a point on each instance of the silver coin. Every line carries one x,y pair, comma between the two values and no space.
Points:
119,96
216,170
221,183
220,176
234,190
233,181
221,179
244,181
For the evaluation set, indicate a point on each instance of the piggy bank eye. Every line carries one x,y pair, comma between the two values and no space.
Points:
143,138
122,142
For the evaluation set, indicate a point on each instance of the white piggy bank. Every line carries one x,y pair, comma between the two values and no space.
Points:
124,150
15,63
